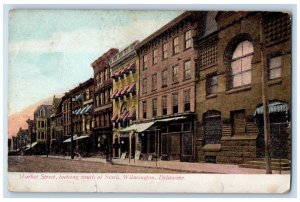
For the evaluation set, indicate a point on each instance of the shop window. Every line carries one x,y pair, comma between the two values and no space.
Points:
211,84
240,72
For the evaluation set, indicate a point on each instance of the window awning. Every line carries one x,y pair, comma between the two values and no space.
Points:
69,139
81,137
115,117
131,114
131,88
124,90
140,127
273,107
114,94
89,109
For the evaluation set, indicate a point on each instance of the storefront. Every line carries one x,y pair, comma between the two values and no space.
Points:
164,139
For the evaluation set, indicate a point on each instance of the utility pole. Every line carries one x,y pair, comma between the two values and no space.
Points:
265,101
72,130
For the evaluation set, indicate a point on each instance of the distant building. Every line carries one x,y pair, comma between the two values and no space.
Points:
56,127
42,118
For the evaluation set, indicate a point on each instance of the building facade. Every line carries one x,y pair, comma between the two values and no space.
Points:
56,126
229,91
124,66
42,118
102,110
167,87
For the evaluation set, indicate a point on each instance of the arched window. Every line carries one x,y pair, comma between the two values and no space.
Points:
240,66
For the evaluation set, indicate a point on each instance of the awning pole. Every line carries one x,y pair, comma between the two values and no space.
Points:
265,100
130,146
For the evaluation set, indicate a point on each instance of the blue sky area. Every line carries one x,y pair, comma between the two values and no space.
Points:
50,51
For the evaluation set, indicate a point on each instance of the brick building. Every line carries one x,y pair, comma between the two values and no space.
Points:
229,91
78,118
167,80
124,66
31,126
102,110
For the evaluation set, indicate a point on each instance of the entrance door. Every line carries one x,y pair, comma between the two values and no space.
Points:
239,122
165,147
174,146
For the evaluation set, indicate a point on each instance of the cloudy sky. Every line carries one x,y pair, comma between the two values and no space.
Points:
51,51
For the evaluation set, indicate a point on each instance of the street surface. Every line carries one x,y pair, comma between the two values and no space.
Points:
43,164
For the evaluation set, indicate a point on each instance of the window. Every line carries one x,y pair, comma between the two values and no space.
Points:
87,94
241,65
175,45
154,107
145,62
154,82
187,100
175,74
187,70
188,39
175,102
164,105
106,74
144,86
211,84
164,78
101,77
275,67
144,109
154,56
165,51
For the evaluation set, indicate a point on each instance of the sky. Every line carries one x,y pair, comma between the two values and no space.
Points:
51,51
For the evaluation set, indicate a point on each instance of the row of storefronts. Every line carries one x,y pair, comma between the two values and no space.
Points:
191,91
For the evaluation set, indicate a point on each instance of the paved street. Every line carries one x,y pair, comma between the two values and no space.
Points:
43,164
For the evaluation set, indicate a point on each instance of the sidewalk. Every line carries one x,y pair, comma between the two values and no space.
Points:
195,167
76,158
189,167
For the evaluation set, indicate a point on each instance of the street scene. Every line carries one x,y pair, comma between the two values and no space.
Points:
194,92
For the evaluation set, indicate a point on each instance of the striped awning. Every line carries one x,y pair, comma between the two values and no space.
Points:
273,107
69,139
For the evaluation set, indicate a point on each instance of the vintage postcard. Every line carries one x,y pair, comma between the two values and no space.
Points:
149,101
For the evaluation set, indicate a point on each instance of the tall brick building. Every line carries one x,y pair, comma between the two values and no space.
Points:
167,81
102,110
229,91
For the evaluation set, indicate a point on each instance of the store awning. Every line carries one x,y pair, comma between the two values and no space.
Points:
273,107
140,127
81,137
31,146
69,139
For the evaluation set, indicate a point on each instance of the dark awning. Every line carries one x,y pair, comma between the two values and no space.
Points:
273,107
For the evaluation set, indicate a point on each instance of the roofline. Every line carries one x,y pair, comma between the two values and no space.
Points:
165,28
